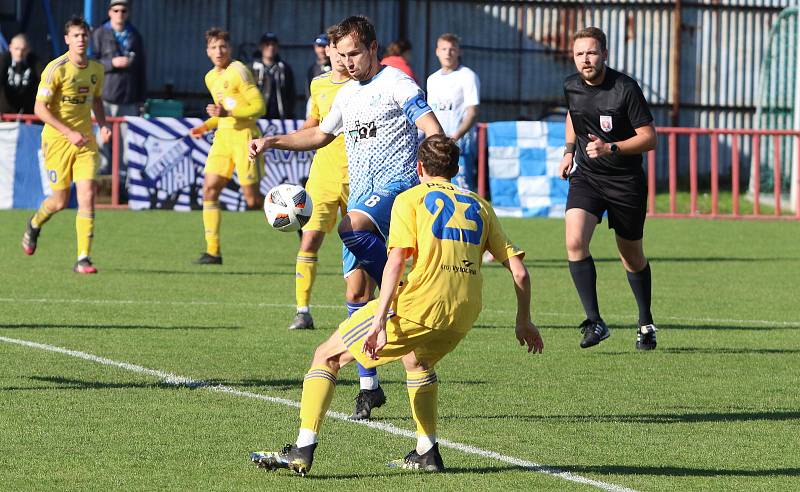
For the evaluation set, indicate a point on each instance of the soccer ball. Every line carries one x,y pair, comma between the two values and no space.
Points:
287,207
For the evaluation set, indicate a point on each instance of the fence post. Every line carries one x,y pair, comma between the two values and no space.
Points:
115,163
776,172
714,174
735,174
756,165
482,167
693,174
673,171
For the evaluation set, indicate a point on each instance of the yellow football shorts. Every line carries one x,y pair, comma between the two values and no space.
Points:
229,151
402,337
328,199
66,163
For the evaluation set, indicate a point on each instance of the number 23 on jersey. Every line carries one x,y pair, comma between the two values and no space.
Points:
438,202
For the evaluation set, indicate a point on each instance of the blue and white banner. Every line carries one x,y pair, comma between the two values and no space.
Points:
523,168
23,180
165,165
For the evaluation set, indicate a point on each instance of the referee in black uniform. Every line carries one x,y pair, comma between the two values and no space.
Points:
609,126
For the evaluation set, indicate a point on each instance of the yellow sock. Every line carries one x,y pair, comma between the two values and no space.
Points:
423,390
211,221
41,216
84,226
305,273
318,387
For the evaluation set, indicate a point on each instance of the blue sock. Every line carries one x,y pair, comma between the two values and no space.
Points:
352,307
369,248
363,372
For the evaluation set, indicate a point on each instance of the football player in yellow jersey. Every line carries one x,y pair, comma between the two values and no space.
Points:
237,105
445,229
70,89
329,188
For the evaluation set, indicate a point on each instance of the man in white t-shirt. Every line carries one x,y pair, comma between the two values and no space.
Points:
454,96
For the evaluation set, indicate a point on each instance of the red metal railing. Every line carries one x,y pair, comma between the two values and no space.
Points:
694,135
115,152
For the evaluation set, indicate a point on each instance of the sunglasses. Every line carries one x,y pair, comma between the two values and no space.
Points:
116,11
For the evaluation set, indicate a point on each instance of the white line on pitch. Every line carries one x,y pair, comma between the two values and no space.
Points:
173,379
764,322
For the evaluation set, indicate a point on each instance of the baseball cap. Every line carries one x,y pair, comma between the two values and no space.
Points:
321,40
114,3
268,37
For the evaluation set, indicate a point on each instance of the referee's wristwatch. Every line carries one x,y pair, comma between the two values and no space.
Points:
614,148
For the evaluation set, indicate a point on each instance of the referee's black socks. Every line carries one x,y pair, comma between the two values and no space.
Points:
584,276
640,285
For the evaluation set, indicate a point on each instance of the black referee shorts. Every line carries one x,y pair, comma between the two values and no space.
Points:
624,197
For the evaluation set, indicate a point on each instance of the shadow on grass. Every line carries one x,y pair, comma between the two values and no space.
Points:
678,471
622,328
562,262
654,418
114,327
214,270
399,473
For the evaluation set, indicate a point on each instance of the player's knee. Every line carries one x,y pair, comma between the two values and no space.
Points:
322,358
576,245
58,202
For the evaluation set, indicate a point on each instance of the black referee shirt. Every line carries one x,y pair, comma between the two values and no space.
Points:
611,111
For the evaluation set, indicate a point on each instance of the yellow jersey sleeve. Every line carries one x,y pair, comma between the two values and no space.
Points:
51,81
496,240
313,111
212,122
100,73
403,233
250,104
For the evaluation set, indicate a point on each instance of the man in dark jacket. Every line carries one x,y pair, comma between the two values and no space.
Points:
20,71
275,79
119,47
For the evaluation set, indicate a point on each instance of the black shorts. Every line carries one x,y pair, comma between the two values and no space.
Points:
624,197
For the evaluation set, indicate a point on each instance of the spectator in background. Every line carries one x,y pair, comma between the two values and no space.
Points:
20,71
398,55
275,79
119,47
454,95
321,65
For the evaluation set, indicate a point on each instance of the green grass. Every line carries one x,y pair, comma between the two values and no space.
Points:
724,204
714,407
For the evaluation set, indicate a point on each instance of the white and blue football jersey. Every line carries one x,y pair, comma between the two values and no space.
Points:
377,118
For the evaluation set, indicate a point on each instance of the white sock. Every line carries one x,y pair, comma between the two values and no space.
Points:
302,309
306,437
369,382
425,443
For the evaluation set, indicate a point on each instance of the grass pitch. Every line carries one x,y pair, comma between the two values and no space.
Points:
714,407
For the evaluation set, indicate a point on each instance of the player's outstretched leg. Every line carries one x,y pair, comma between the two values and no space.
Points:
430,461
30,238
297,459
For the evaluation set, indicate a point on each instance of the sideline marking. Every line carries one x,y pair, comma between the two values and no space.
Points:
764,322
176,380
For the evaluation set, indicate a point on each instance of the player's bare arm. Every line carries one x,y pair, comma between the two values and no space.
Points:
375,339
470,117
525,331
43,112
308,139
310,123
567,162
644,141
216,110
100,116
429,124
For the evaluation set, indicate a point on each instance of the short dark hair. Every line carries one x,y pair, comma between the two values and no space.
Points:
397,48
439,156
330,31
357,25
450,38
76,21
218,33
594,33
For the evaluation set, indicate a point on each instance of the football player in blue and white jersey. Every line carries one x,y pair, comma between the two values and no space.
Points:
379,111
